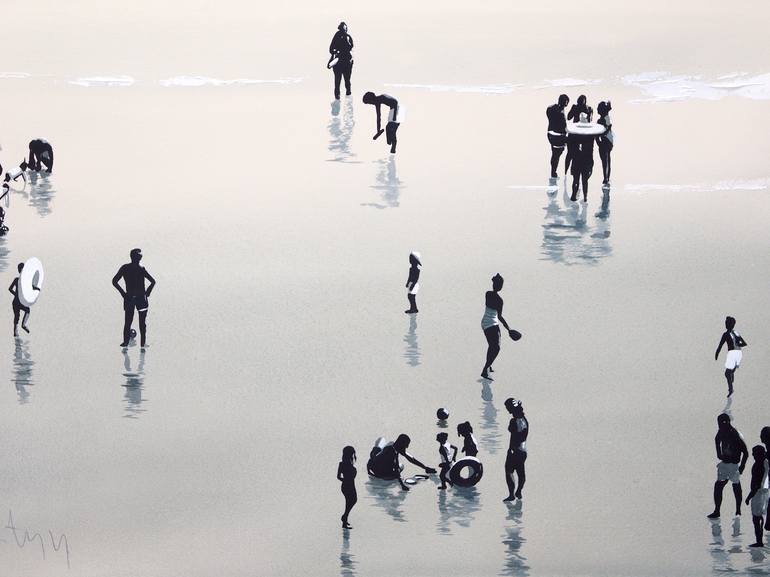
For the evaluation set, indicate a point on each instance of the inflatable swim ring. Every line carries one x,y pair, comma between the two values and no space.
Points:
461,478
31,275
585,128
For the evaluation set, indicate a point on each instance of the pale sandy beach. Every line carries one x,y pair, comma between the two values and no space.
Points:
279,232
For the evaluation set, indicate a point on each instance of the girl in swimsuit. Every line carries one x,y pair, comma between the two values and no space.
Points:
346,472
412,283
469,441
489,324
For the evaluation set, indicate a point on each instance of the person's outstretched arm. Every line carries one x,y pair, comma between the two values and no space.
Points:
148,276
414,461
50,166
454,453
379,119
722,341
12,288
115,280
742,342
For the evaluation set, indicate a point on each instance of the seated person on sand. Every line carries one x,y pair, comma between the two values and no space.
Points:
383,460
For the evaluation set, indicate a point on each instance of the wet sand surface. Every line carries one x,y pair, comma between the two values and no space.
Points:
279,234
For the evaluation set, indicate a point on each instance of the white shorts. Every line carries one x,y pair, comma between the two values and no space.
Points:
759,503
728,472
415,289
733,360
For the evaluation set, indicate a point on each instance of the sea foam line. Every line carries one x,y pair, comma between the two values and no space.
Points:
196,81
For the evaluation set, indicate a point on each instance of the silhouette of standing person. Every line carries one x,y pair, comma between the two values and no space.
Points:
384,463
517,448
582,160
605,141
574,116
394,118
341,47
135,296
470,447
412,282
757,496
557,131
734,342
40,152
346,472
493,315
18,308
732,454
764,436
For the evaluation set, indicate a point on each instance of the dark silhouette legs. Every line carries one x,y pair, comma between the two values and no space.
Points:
579,175
342,70
555,156
718,487
604,155
390,135
757,520
412,303
493,349
127,326
351,497
442,475
17,309
514,463
730,376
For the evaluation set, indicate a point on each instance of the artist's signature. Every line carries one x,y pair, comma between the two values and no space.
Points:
25,537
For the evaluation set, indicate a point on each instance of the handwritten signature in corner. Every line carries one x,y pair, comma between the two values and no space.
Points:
26,538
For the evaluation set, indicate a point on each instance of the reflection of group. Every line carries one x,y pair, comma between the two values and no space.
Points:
578,133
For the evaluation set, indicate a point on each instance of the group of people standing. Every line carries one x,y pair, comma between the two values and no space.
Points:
577,133
732,454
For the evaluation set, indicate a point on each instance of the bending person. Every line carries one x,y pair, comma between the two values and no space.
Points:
394,119
557,131
732,454
340,48
493,315
734,342
40,152
517,449
384,460
135,296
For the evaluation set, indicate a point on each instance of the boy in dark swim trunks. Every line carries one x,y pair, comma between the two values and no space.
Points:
134,296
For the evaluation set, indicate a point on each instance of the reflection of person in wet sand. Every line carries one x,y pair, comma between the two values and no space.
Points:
517,448
135,296
18,308
757,497
383,460
394,118
490,325
734,342
732,454
346,472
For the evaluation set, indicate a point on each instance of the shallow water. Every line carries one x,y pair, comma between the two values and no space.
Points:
279,233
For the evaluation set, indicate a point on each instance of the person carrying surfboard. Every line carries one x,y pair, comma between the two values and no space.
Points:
394,117
340,50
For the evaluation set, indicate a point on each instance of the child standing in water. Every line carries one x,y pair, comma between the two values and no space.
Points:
412,283
734,342
444,450
346,472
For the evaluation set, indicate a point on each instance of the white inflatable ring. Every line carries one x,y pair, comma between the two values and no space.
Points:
476,472
31,275
585,129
